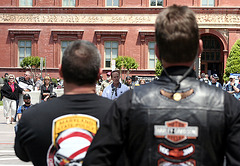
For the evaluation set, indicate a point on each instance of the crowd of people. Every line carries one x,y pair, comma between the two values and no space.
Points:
174,120
232,86
14,89
117,87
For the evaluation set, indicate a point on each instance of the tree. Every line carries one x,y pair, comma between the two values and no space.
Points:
158,68
129,63
233,61
32,63
126,62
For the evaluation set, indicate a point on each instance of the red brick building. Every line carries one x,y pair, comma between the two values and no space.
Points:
118,27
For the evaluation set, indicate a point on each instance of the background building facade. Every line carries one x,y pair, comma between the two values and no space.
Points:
117,27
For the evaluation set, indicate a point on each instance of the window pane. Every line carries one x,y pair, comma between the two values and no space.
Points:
22,3
108,53
64,44
29,2
28,51
212,56
28,43
72,3
21,43
114,45
203,56
159,2
211,2
64,3
115,2
153,3
20,60
213,43
107,64
151,64
204,2
151,54
114,53
207,55
21,52
25,3
107,44
109,2
217,56
151,45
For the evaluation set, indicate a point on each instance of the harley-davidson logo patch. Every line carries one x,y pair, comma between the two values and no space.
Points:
176,131
176,153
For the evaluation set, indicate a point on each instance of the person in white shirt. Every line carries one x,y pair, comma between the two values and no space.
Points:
25,82
116,89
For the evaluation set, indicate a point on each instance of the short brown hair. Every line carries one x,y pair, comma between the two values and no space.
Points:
115,71
177,36
80,63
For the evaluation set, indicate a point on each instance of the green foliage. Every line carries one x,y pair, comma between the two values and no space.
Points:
125,62
129,63
31,62
233,61
158,68
54,80
119,62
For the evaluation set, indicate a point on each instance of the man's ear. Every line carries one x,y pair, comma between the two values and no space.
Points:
60,70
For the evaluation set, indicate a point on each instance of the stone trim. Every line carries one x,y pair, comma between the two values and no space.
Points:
77,33
220,20
121,33
14,32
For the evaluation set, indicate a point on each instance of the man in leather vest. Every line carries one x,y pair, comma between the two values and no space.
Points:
175,120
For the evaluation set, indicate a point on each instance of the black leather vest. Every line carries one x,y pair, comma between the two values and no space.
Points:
168,132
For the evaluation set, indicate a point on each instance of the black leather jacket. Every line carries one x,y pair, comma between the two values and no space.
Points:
157,131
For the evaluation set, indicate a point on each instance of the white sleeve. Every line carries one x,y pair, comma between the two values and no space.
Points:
30,87
105,94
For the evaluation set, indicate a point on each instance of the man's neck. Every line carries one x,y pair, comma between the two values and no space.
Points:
73,89
116,84
166,64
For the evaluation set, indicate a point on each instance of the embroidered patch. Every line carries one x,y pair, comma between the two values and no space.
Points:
163,162
176,153
71,136
176,131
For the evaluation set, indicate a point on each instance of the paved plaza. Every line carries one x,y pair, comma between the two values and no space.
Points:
7,135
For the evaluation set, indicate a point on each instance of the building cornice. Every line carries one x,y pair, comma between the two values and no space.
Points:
220,18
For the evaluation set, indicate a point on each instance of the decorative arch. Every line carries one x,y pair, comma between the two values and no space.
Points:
222,35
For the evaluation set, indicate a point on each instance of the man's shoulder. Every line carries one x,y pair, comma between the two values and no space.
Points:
104,100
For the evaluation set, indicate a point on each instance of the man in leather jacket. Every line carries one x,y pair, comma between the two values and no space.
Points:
176,120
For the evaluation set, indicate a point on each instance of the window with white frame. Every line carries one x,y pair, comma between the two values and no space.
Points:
111,52
208,2
24,49
68,3
156,2
64,45
113,3
152,59
25,3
